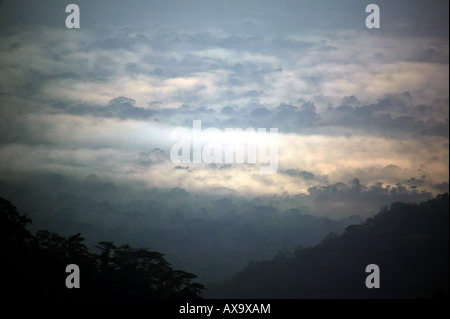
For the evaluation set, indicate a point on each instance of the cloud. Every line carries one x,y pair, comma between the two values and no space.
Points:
120,107
347,103
305,175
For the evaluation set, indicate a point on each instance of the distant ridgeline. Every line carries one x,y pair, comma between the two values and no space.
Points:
409,243
34,266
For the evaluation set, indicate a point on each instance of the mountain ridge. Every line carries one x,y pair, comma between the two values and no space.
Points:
409,242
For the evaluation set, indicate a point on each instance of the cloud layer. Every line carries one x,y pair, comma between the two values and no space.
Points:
349,103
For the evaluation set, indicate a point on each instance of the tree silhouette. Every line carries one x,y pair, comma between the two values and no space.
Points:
34,266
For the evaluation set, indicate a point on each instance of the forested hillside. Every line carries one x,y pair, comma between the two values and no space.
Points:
409,243
34,265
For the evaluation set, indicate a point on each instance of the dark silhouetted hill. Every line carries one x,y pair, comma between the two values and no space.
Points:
409,243
34,266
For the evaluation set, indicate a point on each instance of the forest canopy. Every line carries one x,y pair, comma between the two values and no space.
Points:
409,243
33,265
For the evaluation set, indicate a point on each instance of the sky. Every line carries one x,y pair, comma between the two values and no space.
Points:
362,114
